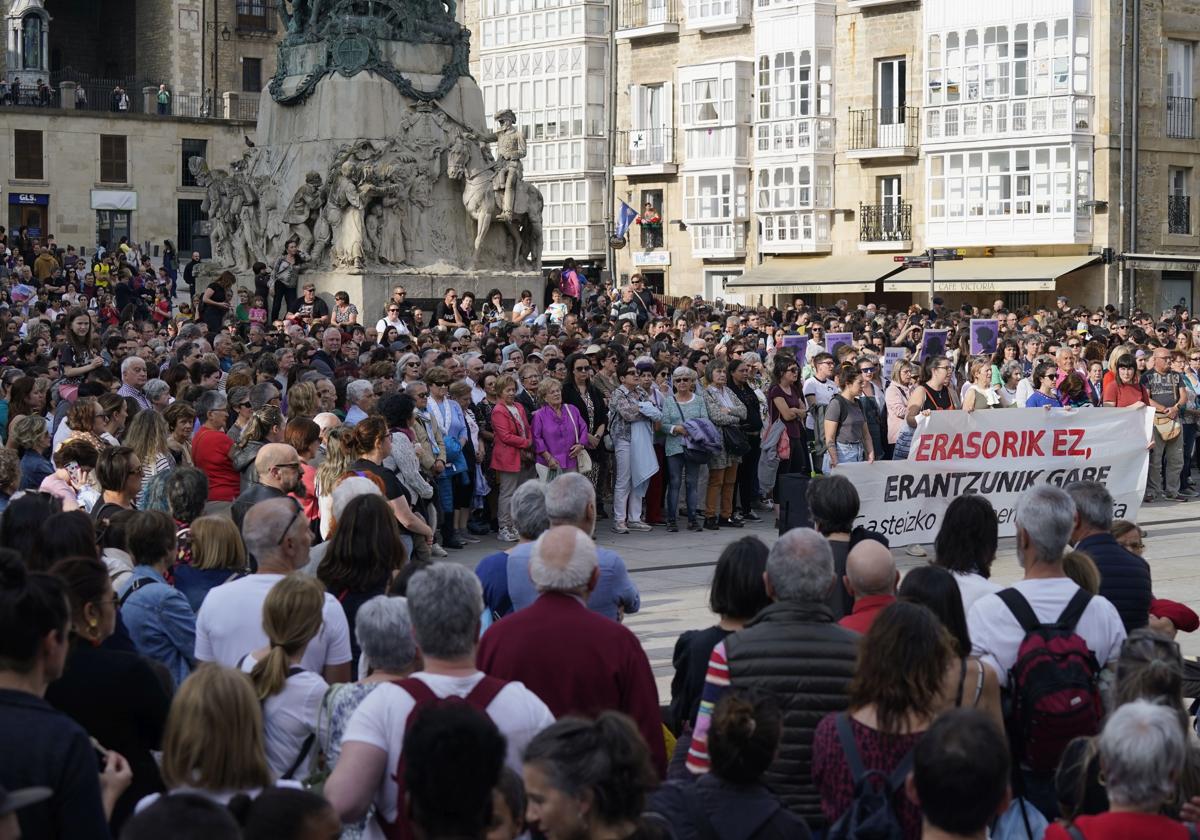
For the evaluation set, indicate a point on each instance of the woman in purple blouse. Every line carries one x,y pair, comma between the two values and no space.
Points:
558,429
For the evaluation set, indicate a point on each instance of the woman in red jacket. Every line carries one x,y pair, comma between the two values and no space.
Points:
211,446
512,451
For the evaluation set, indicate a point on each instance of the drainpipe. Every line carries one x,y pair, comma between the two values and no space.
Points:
1121,271
610,187
1133,148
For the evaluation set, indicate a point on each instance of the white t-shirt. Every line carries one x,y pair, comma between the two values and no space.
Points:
996,635
384,323
823,391
380,719
229,625
289,717
973,586
1025,390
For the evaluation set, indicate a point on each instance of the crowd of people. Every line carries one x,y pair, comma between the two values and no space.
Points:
221,609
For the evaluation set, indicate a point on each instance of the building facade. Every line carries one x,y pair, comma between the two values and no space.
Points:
548,62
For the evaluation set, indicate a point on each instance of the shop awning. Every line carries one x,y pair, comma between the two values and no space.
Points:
816,275
991,274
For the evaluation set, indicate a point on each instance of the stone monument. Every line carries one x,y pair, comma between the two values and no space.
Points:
372,153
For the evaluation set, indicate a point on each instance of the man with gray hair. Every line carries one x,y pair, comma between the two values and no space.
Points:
229,624
530,519
133,378
383,629
794,651
578,662
998,622
1124,577
444,603
360,394
571,500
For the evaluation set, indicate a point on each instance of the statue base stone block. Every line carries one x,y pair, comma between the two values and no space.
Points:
374,287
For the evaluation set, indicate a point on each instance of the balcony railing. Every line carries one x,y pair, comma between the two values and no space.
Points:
1179,214
885,222
884,128
256,16
645,147
636,14
1180,116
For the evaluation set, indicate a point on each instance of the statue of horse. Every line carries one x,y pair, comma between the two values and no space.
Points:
466,162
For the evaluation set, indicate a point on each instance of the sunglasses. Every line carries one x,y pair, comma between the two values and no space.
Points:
295,515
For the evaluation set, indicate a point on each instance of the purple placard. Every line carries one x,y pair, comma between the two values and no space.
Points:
984,334
835,340
933,343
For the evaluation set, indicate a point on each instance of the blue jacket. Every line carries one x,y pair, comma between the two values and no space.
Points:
161,622
1124,578
614,588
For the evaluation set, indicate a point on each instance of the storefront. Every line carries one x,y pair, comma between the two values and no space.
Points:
30,210
114,214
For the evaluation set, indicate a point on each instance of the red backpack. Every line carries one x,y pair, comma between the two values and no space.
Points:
1053,683
480,697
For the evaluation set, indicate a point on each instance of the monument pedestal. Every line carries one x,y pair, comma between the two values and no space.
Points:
374,287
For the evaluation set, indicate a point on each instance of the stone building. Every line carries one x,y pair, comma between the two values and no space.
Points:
92,154
548,63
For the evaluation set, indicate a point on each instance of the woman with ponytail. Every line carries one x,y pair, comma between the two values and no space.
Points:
290,696
847,438
731,802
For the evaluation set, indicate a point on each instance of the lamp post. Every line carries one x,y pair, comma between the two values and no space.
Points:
220,32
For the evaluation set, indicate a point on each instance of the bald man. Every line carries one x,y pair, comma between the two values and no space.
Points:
577,661
229,624
278,468
871,579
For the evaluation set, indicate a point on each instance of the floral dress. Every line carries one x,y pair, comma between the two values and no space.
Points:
338,706
343,316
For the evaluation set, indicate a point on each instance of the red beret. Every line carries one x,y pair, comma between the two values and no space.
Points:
1181,615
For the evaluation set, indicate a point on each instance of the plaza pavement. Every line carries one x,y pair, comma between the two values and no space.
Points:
673,571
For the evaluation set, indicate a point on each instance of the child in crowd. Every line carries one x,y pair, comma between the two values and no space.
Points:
258,312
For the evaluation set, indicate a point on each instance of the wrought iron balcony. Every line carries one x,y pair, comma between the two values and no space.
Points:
652,148
647,17
1180,117
256,16
885,222
1179,214
885,131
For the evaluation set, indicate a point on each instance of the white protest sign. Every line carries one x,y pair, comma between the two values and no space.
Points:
1001,454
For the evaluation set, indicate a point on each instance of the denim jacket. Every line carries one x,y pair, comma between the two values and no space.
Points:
160,621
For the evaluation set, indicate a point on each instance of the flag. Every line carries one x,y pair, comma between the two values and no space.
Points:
625,217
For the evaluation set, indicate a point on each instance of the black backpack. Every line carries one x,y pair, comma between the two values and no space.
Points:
871,815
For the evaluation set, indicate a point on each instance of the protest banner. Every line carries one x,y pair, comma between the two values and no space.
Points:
933,343
891,355
835,340
1000,455
984,333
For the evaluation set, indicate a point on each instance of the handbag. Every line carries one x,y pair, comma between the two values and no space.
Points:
736,442
1167,428
583,461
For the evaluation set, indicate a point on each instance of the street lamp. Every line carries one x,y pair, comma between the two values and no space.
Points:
220,32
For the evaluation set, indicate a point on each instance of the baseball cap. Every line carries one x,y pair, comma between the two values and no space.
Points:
14,800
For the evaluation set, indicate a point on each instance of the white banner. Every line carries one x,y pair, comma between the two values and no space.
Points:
1000,454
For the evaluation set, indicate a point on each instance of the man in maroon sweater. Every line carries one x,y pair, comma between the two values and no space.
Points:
578,662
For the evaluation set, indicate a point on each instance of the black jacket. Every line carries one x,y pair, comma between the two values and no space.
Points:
1124,578
571,396
796,652
729,812
251,496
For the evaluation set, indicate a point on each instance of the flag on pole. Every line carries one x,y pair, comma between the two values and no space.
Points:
625,217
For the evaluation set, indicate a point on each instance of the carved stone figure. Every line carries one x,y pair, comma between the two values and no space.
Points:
391,247
350,230
510,172
302,211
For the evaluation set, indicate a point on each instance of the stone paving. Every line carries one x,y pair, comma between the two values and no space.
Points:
673,572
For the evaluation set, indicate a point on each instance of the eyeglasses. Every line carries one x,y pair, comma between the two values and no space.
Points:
585,369
1139,545
295,465
244,405
291,522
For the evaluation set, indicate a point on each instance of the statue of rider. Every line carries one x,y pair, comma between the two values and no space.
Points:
510,149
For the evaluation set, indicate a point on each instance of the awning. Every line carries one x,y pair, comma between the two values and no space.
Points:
816,275
991,274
